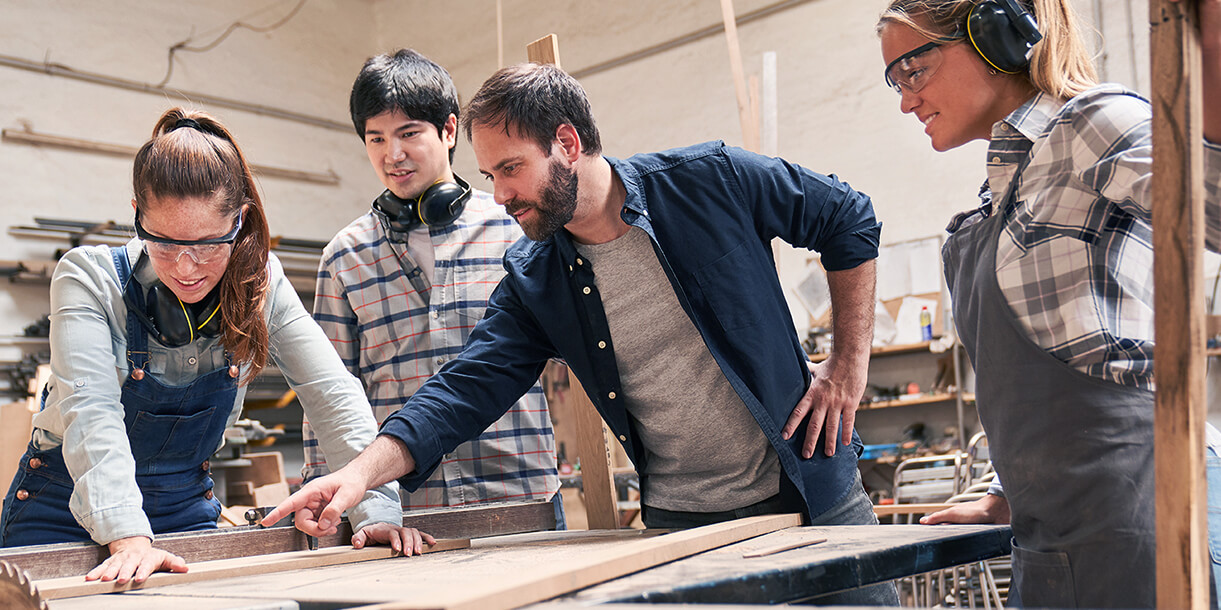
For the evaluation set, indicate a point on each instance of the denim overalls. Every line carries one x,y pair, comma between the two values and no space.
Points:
173,430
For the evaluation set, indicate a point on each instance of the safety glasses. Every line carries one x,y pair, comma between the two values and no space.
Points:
202,251
913,69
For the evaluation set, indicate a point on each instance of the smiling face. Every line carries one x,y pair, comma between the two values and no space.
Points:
409,155
960,101
187,219
538,190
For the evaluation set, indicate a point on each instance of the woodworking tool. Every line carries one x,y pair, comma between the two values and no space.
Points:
17,590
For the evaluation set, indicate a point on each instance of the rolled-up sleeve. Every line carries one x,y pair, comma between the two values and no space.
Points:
331,397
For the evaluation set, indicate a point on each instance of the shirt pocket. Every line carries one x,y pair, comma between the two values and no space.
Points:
473,286
734,287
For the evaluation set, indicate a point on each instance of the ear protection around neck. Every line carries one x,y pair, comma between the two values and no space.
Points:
175,323
1003,33
439,205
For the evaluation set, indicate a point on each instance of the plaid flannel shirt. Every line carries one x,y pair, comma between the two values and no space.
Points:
1075,261
393,340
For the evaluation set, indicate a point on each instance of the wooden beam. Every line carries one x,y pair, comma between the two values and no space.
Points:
885,510
593,448
76,559
76,586
750,129
520,589
545,50
1179,366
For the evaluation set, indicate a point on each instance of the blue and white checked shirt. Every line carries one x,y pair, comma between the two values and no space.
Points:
1075,261
393,340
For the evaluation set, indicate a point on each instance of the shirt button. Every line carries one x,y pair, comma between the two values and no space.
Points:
601,345
192,361
435,315
80,383
612,395
586,290
623,438
440,361
996,159
570,267
580,262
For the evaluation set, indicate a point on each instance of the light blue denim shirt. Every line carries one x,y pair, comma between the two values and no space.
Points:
89,365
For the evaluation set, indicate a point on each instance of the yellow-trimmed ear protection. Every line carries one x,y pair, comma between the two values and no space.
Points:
175,323
1002,32
439,205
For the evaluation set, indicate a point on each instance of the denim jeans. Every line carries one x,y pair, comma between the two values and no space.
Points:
854,509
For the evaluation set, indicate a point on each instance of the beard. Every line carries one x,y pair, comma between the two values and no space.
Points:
555,206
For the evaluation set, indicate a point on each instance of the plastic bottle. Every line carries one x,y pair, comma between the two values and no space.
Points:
926,325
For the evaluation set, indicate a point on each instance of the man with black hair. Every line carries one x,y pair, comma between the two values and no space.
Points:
400,288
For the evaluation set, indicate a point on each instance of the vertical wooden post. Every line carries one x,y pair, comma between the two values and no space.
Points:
1178,245
750,129
597,480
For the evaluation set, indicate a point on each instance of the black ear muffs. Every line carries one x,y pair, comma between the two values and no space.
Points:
175,323
1003,33
439,205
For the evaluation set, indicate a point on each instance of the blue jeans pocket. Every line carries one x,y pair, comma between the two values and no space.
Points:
1045,579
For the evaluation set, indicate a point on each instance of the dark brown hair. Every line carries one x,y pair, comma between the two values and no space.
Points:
206,163
533,100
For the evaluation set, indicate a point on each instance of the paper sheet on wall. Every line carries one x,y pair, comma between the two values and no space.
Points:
912,267
907,322
813,291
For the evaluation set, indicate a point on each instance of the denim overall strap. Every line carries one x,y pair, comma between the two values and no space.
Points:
1073,452
172,431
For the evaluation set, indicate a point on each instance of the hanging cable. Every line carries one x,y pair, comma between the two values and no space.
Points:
182,46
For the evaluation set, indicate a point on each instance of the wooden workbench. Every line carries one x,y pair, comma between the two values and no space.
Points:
851,556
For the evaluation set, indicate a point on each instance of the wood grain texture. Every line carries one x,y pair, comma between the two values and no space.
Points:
76,586
1179,365
545,50
750,126
597,479
76,559
519,589
883,510
780,548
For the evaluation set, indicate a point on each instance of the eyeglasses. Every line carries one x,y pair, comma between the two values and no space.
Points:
202,251
913,69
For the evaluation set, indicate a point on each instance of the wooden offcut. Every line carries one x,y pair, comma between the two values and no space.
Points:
545,50
519,589
76,586
1178,244
780,548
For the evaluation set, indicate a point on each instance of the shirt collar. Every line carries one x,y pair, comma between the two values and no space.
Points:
635,211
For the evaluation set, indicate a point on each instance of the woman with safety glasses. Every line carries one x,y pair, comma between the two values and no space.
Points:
152,346
1051,279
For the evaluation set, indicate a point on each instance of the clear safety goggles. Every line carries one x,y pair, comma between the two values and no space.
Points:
202,251
913,69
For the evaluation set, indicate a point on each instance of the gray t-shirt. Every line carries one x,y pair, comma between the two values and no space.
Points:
706,453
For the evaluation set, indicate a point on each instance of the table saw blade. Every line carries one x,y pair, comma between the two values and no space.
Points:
17,590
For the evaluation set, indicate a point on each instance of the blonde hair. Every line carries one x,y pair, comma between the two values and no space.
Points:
205,162
1060,64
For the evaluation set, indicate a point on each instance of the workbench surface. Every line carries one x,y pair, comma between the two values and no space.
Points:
851,556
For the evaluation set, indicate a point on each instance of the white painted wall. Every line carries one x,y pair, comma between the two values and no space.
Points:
834,112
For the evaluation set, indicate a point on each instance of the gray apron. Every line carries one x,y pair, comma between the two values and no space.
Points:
1074,453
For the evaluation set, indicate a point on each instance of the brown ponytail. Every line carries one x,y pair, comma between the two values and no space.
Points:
207,163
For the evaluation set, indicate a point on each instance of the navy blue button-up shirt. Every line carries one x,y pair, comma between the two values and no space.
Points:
711,212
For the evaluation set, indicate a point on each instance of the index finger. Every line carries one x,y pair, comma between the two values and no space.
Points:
291,505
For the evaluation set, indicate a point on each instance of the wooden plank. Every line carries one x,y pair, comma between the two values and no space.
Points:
750,126
76,586
780,548
597,479
526,587
545,50
76,559
1179,365
885,510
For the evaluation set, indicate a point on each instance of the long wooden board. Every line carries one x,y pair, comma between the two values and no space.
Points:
76,559
1178,354
76,586
519,589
